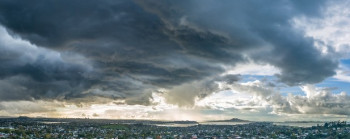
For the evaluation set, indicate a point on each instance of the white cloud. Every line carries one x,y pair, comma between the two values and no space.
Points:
256,96
332,31
342,74
252,68
248,96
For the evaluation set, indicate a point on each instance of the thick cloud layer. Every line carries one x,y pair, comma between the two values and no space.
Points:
129,49
264,33
28,72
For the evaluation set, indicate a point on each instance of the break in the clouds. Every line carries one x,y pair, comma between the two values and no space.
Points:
126,51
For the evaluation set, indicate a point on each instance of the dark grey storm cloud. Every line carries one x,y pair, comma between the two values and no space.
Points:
135,46
28,72
262,29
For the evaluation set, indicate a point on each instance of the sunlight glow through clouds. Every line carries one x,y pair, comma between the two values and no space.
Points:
171,61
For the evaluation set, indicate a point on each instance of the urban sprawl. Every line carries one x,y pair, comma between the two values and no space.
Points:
45,128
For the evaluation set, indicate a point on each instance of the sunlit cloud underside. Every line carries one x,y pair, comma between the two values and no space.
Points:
175,60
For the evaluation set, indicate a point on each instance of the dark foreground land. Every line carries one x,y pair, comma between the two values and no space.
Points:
107,129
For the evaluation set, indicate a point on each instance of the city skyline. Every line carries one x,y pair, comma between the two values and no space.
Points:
176,60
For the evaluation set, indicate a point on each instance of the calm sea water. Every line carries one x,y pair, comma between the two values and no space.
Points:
223,123
297,124
176,125
203,123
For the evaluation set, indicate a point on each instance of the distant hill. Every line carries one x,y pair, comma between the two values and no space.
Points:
231,120
23,117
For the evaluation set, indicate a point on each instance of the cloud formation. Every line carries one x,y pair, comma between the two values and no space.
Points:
258,96
69,50
29,72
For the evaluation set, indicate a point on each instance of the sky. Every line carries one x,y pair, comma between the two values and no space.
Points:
176,60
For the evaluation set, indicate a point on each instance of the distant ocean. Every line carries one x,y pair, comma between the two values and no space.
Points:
223,123
203,123
297,124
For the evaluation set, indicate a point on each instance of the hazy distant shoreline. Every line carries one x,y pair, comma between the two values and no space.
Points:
233,121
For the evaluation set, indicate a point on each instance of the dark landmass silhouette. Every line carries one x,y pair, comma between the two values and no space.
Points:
231,120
